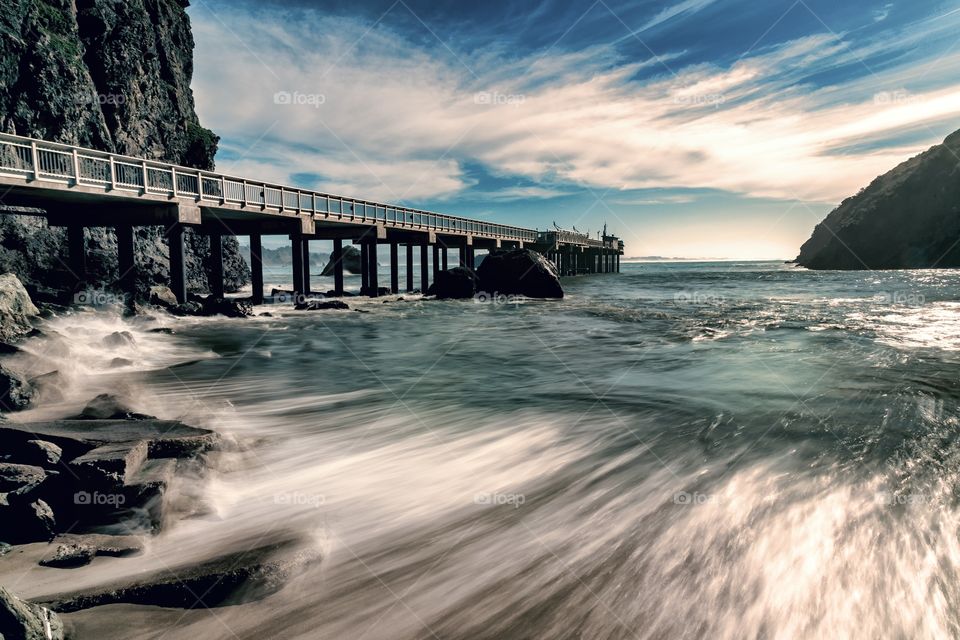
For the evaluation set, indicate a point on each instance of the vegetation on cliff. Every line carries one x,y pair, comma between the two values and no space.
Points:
113,75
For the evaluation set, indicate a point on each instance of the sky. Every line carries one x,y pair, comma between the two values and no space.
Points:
691,128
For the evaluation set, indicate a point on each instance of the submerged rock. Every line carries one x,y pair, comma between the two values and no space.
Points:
351,262
48,387
107,406
16,308
41,453
318,305
21,620
456,283
119,339
519,272
232,578
79,550
16,393
212,306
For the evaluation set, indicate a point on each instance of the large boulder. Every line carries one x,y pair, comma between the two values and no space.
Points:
15,392
519,272
16,308
456,283
20,620
213,306
351,261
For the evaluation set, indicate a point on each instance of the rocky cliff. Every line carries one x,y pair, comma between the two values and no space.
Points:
907,218
112,75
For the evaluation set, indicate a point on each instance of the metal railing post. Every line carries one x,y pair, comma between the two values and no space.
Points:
35,159
113,175
146,178
76,167
173,176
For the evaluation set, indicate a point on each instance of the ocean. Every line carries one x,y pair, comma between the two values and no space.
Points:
681,450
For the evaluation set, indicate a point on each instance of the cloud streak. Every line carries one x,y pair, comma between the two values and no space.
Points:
397,118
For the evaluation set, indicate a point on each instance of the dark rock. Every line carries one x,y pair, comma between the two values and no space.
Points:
25,523
78,550
117,363
20,620
519,272
109,407
119,339
351,262
16,393
456,283
7,349
317,305
15,476
40,453
5,549
165,330
187,309
163,296
68,556
165,438
48,387
16,308
231,308
233,578
906,218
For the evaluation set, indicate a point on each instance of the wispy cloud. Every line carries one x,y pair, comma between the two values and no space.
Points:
394,117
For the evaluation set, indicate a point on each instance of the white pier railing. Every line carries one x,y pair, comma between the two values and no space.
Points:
39,160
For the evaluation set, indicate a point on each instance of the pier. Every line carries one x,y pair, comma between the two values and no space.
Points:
75,188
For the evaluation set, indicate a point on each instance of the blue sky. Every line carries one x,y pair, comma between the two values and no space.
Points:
693,128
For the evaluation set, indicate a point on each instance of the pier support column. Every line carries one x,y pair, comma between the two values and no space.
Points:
306,266
296,251
256,267
178,268
394,267
77,255
127,271
618,262
409,268
337,257
471,258
444,254
216,266
373,287
424,268
364,267
436,261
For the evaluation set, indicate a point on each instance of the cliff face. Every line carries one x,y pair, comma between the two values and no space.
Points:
907,218
112,75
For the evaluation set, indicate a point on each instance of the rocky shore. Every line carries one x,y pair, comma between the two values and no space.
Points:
98,484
